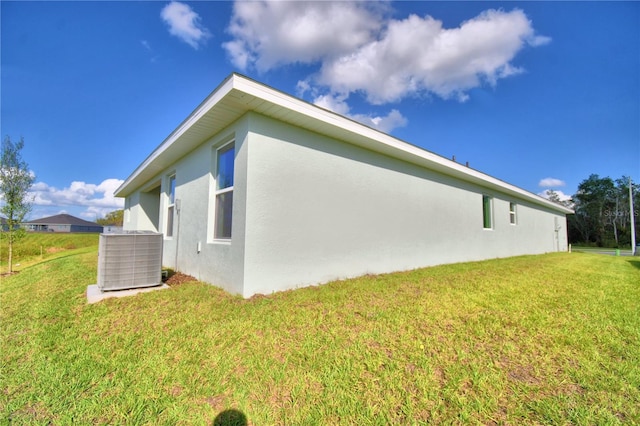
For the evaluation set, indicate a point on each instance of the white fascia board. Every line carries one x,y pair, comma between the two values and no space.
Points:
215,97
367,137
420,155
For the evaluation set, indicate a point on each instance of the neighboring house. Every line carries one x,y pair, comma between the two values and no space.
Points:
62,223
257,191
4,225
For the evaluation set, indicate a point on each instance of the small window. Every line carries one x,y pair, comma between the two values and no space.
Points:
512,213
486,212
224,192
171,208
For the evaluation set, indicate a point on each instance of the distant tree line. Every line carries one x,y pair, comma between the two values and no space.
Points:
113,218
602,215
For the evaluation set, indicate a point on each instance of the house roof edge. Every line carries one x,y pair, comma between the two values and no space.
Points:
392,145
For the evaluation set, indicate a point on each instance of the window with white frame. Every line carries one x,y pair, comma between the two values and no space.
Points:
172,204
225,157
512,213
486,212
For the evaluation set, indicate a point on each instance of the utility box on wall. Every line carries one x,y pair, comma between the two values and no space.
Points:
129,260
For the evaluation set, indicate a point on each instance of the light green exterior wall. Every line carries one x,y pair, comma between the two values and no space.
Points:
319,210
309,209
192,249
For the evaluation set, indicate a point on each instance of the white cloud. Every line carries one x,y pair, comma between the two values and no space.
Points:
386,123
551,182
97,199
561,195
383,123
271,33
360,49
539,40
417,55
184,23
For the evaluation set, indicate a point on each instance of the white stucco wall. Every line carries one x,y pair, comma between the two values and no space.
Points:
308,209
218,262
319,210
141,210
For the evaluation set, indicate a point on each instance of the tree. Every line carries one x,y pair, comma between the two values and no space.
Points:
555,197
602,213
15,182
592,200
113,218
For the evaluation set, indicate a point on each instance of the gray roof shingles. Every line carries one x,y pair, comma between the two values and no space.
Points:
63,219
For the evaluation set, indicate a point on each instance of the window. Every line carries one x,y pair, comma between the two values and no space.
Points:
172,204
512,213
486,212
224,191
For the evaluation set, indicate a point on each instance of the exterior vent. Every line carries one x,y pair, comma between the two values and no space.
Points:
129,260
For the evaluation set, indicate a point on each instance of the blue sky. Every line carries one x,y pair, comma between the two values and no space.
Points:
539,94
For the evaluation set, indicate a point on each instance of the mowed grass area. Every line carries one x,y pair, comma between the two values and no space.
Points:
603,250
551,339
36,247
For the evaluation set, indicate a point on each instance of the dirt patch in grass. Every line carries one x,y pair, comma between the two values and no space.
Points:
55,249
31,413
217,403
176,390
178,278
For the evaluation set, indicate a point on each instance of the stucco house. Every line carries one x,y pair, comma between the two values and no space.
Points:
257,191
62,223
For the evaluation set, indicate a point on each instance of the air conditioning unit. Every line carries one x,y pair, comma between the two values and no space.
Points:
129,260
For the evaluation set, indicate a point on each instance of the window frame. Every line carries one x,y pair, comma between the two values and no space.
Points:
487,212
171,204
513,213
219,234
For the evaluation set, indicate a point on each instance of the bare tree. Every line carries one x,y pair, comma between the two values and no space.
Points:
15,182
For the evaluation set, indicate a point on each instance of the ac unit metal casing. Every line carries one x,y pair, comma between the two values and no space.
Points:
129,260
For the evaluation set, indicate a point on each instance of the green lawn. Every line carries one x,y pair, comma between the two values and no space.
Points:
36,247
603,250
552,339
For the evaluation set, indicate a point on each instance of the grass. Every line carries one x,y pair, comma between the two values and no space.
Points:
603,250
36,247
551,339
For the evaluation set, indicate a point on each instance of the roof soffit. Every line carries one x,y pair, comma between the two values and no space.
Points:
238,95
